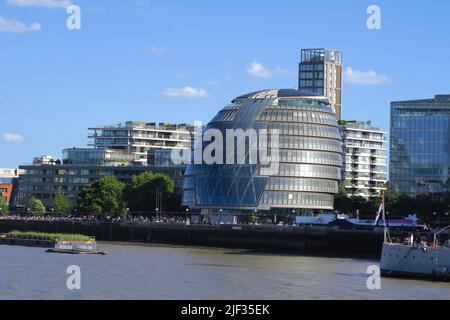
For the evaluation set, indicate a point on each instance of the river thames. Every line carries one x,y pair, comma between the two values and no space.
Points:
144,272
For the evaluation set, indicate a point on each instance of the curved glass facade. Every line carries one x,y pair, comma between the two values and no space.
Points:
309,164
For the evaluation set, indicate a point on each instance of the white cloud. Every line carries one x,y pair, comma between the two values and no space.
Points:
40,3
9,25
12,137
258,70
370,77
186,92
156,50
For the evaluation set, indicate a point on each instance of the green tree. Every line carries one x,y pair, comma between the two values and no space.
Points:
62,204
3,205
141,193
36,207
103,197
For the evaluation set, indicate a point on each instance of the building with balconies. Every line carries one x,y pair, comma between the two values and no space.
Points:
365,159
139,138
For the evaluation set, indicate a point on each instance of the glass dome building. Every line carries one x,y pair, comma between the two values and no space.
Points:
309,156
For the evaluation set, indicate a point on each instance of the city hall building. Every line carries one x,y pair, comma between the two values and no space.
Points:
309,156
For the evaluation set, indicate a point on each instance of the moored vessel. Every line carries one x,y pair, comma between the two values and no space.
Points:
413,258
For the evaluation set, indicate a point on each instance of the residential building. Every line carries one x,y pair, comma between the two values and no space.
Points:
365,161
122,151
320,71
420,149
138,138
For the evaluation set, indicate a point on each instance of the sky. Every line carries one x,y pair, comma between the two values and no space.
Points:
182,61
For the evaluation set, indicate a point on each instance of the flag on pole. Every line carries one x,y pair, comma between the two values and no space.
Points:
380,211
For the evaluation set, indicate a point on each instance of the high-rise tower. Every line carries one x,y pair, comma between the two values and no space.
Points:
320,72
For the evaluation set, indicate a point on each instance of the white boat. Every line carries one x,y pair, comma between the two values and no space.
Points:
413,259
325,219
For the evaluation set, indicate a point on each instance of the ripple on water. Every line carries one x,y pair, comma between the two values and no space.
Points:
132,272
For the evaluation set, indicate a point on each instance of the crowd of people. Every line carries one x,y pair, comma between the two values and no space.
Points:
88,218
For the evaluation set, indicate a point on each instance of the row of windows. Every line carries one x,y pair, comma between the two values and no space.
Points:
56,180
296,142
365,175
302,170
70,172
308,105
235,105
358,135
297,116
311,83
297,200
297,184
365,160
435,110
310,130
46,187
225,115
314,157
311,67
364,144
311,75
352,167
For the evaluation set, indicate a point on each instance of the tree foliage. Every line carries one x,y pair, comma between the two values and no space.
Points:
142,193
36,207
3,205
104,197
397,204
62,204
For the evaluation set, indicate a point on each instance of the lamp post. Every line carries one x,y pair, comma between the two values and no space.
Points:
187,216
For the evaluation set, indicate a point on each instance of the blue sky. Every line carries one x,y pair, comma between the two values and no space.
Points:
182,61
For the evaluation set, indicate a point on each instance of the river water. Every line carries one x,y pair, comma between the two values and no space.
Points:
138,272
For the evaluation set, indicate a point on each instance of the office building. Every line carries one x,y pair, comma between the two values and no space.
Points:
122,151
44,181
365,159
320,71
420,149
309,167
